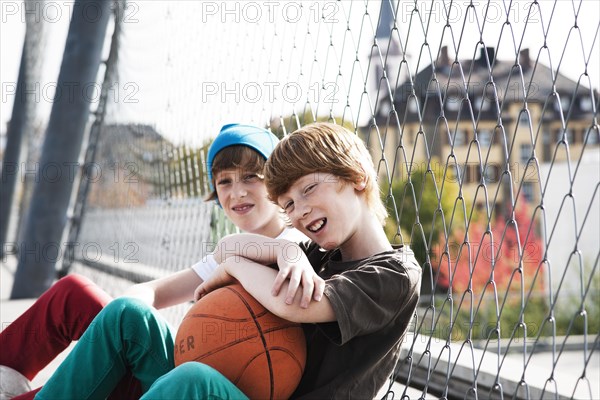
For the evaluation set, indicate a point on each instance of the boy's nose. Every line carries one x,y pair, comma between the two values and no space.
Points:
239,191
304,210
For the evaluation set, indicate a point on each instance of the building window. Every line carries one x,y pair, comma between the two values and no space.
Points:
460,137
578,136
525,153
528,193
491,173
453,173
546,144
485,137
487,102
477,173
412,105
569,135
453,103
593,136
385,108
482,104
470,173
524,119
565,103
585,103
564,135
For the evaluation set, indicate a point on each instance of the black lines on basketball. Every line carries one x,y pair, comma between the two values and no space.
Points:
262,337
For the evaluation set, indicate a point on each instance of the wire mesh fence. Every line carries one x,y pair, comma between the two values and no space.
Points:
482,118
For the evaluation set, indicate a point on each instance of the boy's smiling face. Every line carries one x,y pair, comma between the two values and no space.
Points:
325,208
243,196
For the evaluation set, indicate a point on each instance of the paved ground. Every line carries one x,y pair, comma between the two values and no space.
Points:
10,310
567,371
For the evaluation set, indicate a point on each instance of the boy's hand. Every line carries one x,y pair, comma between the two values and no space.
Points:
219,278
294,265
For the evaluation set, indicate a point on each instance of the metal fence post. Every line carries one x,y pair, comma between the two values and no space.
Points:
47,214
21,125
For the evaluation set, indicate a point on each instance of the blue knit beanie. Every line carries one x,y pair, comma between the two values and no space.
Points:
258,139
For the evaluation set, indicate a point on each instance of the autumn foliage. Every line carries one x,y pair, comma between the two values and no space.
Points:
508,252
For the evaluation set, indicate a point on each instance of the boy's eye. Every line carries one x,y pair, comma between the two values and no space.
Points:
251,178
223,182
288,207
310,188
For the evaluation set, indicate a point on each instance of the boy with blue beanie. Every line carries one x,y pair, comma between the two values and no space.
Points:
258,139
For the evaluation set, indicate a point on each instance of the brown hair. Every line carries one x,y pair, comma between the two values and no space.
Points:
323,147
238,156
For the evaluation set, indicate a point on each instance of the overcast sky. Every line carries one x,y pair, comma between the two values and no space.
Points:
181,60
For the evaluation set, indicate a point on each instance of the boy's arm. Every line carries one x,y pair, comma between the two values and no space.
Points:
294,267
258,248
167,291
257,279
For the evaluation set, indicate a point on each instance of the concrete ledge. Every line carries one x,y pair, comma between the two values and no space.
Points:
458,370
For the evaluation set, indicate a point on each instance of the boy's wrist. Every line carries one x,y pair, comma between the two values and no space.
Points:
284,248
253,247
221,254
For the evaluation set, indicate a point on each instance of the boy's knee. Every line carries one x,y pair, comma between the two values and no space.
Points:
80,290
132,315
199,373
120,313
126,307
127,319
195,368
72,282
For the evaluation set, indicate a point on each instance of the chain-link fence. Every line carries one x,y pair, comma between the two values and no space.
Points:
482,118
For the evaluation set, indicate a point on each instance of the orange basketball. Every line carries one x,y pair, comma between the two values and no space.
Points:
262,354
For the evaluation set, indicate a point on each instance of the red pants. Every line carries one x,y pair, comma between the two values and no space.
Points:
58,317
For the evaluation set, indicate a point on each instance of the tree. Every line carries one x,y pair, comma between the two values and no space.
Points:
421,207
494,274
288,124
507,251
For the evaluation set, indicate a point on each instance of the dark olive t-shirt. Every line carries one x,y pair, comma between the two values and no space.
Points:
374,300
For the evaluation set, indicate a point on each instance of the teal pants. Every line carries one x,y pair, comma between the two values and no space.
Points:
193,380
126,336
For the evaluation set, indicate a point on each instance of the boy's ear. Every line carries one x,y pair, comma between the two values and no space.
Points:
362,184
